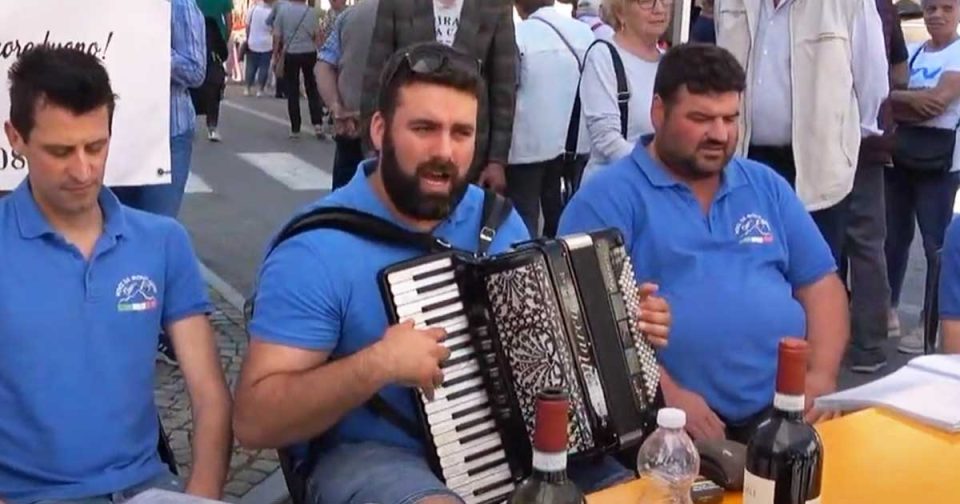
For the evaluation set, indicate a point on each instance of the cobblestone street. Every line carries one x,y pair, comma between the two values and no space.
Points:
247,468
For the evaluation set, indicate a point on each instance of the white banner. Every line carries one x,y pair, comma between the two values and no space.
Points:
132,38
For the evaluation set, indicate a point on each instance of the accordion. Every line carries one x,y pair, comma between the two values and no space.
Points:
550,313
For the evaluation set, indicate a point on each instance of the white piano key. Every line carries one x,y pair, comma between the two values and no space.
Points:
457,475
441,404
461,449
472,368
449,425
458,459
411,286
450,325
446,415
482,480
469,364
439,312
419,306
448,437
408,274
414,296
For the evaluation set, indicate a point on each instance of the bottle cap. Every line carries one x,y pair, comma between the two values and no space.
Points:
550,432
671,418
792,366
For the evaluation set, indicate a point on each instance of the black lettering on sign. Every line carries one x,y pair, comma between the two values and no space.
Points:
11,160
12,49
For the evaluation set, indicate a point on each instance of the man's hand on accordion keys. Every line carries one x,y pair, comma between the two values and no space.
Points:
412,357
654,316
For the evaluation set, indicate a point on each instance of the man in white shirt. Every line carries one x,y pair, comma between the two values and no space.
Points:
816,76
551,47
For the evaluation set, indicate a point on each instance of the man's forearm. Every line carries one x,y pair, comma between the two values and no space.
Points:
304,404
951,336
828,324
212,442
327,83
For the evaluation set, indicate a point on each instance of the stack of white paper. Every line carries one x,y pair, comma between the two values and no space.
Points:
927,389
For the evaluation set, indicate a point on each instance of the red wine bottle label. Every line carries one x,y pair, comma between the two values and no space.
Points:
549,462
757,490
786,402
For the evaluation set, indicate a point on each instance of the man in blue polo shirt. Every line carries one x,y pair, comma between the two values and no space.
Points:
86,286
950,288
321,343
730,245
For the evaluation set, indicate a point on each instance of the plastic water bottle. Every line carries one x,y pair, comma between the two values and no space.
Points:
668,461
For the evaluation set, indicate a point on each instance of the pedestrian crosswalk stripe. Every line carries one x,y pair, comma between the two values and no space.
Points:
289,170
196,185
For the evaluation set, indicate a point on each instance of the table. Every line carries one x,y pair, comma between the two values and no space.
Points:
870,457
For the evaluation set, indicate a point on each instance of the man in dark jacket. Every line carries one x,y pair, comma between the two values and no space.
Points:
483,29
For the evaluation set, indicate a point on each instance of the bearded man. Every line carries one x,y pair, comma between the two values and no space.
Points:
732,248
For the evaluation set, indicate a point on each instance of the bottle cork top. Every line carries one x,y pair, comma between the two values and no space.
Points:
550,430
792,366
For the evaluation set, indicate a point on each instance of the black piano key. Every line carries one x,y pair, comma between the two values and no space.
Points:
460,379
442,318
485,467
428,274
480,454
440,304
458,360
493,486
477,435
467,391
459,346
437,286
463,413
472,423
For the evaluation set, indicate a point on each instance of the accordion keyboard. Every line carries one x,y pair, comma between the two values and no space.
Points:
461,418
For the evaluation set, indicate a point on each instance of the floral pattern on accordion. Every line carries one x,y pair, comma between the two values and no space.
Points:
537,352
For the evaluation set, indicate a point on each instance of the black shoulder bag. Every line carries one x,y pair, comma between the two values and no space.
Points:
925,149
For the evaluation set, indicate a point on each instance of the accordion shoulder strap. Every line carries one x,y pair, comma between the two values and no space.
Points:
496,209
381,407
358,223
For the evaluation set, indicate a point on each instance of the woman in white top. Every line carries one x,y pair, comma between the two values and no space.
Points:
639,25
928,111
259,46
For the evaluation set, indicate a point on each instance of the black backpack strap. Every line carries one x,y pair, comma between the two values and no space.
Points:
623,101
496,209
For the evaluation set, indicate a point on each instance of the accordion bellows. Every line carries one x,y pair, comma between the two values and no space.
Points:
552,313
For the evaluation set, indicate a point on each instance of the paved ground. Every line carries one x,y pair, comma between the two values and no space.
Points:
247,468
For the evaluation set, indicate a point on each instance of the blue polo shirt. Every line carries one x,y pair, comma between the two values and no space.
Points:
78,342
728,275
950,272
319,291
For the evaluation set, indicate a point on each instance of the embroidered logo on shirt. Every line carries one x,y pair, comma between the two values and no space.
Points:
753,228
136,293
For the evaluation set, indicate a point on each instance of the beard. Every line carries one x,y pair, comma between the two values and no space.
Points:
405,190
694,165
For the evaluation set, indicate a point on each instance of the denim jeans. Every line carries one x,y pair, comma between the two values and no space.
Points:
362,473
258,68
163,199
913,198
164,481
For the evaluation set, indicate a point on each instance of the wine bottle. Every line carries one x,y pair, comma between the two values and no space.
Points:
549,483
785,455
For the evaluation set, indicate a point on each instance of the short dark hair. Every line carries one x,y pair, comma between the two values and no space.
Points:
68,78
702,68
428,63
